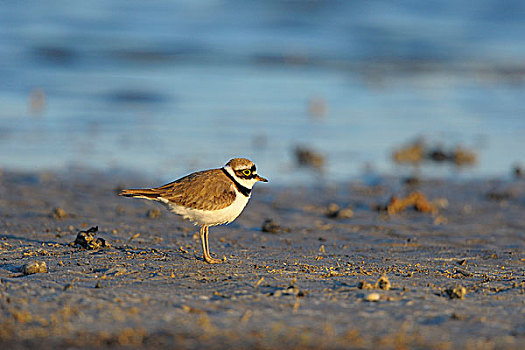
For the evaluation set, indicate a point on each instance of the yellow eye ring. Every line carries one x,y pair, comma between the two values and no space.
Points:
247,172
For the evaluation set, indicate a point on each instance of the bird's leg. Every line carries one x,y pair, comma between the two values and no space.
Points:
207,255
203,241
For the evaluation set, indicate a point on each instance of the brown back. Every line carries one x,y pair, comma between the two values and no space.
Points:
205,190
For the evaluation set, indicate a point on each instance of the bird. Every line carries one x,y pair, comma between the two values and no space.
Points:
208,197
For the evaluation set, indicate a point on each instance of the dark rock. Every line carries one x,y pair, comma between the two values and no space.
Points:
271,226
306,157
518,172
87,239
412,181
499,196
438,155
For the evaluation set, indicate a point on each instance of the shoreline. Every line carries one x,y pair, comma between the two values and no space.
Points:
301,287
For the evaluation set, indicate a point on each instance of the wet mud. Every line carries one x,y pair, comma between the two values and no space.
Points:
447,278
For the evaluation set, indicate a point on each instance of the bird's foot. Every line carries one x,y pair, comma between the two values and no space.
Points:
211,260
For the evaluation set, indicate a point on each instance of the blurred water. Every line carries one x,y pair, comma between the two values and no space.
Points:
167,87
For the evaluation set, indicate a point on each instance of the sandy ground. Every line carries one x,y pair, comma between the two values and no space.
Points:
301,287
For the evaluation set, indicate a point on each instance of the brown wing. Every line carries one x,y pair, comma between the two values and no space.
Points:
206,190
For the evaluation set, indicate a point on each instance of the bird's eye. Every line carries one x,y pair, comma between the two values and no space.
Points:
247,172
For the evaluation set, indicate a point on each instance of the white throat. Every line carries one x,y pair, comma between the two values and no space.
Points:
248,183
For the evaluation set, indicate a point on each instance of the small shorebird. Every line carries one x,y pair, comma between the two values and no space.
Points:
207,198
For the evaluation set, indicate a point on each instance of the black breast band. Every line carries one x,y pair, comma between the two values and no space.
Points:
244,190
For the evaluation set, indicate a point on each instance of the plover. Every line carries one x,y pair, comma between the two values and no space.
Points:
207,198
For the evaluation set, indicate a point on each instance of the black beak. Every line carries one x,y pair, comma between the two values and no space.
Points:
260,178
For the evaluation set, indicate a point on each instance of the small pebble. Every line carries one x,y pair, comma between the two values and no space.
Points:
456,292
456,316
309,158
290,290
364,285
317,107
59,213
271,226
440,220
345,213
372,297
518,172
34,267
153,213
383,283
411,181
334,211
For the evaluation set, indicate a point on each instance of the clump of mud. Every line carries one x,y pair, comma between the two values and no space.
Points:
153,213
290,290
365,285
87,240
307,157
416,200
317,107
410,154
334,211
381,283
34,267
518,172
500,195
58,213
456,292
272,226
418,151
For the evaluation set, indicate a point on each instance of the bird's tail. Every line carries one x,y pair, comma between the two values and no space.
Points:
146,193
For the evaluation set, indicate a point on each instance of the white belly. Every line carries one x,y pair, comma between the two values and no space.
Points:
211,217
